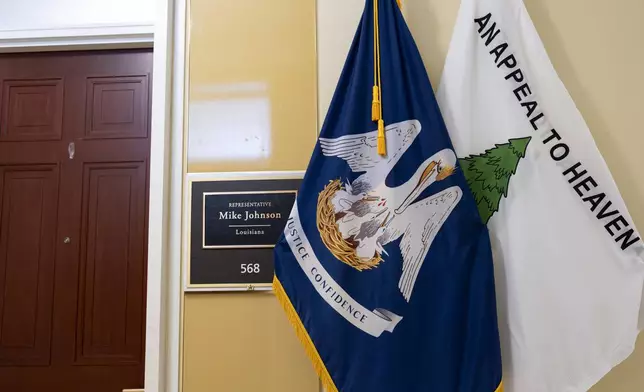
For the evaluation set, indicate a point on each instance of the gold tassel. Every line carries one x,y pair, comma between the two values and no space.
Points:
303,336
375,104
399,3
382,142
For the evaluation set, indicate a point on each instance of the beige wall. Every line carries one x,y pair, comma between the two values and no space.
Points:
252,107
337,21
597,49
252,85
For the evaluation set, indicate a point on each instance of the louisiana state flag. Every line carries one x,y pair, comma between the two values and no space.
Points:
385,267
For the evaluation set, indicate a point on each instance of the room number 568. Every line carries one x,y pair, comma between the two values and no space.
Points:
250,268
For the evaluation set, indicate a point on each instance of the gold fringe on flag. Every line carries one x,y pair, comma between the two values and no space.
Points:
304,337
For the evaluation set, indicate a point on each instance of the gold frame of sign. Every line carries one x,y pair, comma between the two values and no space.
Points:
247,183
251,105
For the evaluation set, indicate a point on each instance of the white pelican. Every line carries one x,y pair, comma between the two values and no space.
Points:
369,214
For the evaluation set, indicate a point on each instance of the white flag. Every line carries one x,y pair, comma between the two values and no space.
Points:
568,259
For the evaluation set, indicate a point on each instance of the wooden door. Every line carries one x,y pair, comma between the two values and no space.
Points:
74,163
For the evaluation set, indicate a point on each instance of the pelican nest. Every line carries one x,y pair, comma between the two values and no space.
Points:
343,249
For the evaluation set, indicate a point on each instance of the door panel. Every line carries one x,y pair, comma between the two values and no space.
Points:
116,107
112,264
73,227
32,110
28,205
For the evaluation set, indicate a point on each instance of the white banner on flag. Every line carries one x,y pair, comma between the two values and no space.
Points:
372,322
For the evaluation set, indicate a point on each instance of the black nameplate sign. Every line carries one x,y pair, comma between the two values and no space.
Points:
234,225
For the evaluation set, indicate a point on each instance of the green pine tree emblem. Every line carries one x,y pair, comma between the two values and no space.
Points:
488,174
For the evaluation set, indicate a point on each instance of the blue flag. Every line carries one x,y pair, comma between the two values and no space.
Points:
385,267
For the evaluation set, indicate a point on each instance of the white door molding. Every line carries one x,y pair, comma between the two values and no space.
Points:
75,38
162,355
